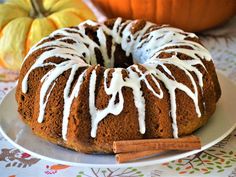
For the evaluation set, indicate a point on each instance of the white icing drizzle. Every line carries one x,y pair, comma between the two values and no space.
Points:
69,98
144,45
115,89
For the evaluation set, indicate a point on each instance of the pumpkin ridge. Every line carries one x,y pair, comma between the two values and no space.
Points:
154,13
201,21
1,30
189,12
23,5
14,6
77,15
50,7
171,17
27,44
110,7
18,10
131,9
105,9
53,22
2,63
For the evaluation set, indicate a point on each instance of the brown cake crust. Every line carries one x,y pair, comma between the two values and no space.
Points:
113,127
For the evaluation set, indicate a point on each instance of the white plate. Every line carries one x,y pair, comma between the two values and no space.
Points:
12,128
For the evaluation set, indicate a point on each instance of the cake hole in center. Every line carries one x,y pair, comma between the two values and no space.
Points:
120,59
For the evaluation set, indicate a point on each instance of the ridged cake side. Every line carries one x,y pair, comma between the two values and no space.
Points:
87,86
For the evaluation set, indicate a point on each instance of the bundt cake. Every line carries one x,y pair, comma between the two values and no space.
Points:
86,86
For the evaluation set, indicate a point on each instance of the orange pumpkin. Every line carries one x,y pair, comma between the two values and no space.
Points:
190,15
25,22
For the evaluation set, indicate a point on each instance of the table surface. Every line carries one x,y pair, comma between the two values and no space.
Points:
219,160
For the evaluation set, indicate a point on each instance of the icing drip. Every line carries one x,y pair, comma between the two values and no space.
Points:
145,46
117,82
69,98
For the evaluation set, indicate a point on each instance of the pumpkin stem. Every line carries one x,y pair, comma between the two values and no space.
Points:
36,8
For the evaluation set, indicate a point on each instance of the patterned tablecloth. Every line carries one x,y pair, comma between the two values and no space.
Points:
219,160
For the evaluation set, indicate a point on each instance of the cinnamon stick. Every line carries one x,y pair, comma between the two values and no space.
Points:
185,143
130,156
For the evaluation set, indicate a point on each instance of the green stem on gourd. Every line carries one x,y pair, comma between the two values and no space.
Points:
36,9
